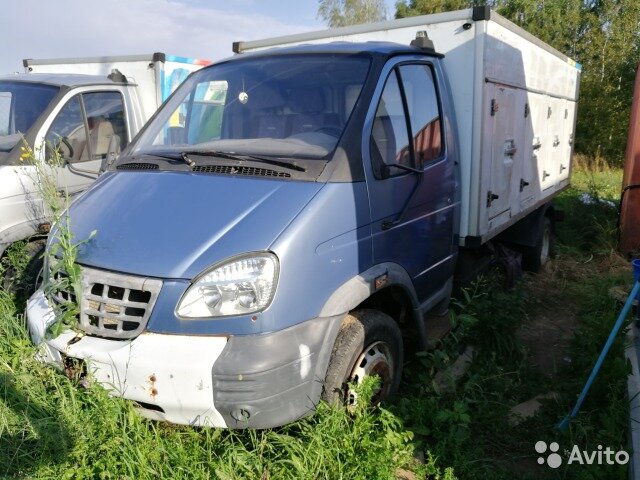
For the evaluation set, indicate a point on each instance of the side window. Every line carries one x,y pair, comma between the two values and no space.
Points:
68,133
424,115
389,138
105,118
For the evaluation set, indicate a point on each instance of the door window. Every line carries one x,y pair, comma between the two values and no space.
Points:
389,138
422,104
68,133
83,128
105,118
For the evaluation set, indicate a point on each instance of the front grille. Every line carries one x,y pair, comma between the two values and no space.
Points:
112,305
229,170
137,166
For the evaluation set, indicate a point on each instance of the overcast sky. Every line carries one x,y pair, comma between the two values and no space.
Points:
190,28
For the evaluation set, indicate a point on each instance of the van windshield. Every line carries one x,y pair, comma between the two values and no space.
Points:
285,106
21,103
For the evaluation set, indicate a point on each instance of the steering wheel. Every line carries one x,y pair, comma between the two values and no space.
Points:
66,142
332,131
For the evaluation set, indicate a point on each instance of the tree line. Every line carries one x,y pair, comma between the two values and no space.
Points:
602,35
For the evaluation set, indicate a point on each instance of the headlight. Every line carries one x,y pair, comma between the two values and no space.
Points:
239,286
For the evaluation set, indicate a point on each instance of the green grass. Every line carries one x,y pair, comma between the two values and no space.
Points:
52,428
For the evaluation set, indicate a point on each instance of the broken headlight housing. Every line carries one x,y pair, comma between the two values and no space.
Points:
238,286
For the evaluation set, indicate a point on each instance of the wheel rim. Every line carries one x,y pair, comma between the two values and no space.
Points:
546,246
377,360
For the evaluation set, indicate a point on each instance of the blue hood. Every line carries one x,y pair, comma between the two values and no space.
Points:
176,224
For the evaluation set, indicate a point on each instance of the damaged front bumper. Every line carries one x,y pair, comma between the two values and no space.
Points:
236,381
168,376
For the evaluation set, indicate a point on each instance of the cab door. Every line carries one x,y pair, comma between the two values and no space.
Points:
80,133
411,181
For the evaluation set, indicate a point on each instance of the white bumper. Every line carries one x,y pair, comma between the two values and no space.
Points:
169,372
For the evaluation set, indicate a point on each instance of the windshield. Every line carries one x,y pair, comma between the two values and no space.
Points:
20,106
285,106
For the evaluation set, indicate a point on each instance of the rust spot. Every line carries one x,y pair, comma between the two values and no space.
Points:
153,391
254,318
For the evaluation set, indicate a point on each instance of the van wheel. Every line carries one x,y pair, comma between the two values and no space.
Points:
369,342
534,258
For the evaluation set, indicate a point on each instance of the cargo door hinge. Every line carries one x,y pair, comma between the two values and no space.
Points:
526,110
491,197
494,107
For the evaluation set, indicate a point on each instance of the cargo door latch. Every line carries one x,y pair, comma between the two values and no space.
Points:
491,197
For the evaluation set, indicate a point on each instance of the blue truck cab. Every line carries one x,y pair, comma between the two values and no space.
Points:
269,236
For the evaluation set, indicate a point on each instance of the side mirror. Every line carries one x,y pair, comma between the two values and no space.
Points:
112,153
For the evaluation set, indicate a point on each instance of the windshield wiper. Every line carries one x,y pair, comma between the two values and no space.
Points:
237,156
172,156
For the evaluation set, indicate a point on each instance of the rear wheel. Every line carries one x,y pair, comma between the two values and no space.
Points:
369,343
535,258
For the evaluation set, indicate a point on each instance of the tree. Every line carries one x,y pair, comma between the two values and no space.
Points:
339,13
411,8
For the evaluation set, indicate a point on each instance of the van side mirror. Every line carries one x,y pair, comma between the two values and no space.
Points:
112,153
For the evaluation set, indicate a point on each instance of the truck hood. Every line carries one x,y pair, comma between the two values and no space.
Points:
177,224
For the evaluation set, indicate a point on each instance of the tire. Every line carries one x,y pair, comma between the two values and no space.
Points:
26,282
536,257
369,342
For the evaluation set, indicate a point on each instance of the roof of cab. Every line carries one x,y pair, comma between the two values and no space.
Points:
386,49
60,79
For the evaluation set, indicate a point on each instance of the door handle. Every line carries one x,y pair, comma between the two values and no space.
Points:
562,168
523,183
510,148
545,175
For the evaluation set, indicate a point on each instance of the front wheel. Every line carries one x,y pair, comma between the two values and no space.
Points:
24,275
369,343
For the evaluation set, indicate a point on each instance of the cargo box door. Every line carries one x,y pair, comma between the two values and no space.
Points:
555,134
540,144
566,140
505,140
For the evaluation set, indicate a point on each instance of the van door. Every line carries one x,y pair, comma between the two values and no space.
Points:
81,132
412,214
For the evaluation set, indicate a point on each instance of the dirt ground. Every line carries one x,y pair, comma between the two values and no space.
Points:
547,333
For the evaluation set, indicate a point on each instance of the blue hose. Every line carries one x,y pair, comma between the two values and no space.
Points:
564,423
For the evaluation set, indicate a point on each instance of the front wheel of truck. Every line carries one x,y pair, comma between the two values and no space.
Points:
22,275
369,343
